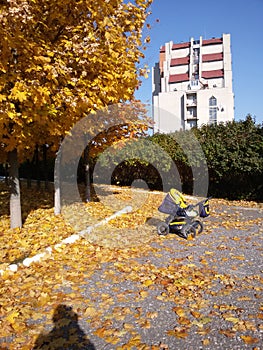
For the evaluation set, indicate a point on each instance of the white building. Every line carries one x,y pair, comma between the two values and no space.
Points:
192,84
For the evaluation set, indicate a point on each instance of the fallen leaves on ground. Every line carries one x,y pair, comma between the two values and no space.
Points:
120,253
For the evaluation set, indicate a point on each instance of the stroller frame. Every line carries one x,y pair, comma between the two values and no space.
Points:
188,224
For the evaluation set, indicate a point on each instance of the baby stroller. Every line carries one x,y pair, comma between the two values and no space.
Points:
183,218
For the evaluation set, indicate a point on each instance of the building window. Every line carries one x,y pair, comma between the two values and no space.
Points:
194,82
192,123
212,110
196,54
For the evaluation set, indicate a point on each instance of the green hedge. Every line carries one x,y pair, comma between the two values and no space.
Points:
233,152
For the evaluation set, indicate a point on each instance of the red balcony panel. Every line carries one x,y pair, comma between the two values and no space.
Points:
219,73
162,48
212,41
212,57
180,61
178,78
181,46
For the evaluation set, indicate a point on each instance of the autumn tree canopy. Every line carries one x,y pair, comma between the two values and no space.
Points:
61,60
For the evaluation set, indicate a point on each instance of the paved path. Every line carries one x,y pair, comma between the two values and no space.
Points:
227,258
204,293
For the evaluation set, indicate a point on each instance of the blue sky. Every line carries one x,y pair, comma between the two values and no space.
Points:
180,20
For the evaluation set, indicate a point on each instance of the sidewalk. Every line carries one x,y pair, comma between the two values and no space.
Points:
203,294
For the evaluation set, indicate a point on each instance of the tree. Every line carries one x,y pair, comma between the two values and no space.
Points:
234,157
107,128
59,61
177,158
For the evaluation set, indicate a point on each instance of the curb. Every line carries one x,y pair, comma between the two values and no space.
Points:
69,240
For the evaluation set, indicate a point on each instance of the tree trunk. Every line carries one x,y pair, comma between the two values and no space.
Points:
57,198
15,202
6,173
87,175
45,166
37,168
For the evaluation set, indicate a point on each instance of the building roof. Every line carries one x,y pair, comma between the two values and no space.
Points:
212,57
219,73
162,48
188,44
181,46
177,78
176,46
212,41
179,61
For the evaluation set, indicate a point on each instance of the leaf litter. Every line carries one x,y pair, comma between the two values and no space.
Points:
122,279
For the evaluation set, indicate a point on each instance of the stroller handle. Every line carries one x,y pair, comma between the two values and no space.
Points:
201,202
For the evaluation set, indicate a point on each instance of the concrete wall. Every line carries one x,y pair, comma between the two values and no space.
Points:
168,111
225,105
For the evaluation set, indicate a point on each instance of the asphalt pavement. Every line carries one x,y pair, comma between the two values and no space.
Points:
221,304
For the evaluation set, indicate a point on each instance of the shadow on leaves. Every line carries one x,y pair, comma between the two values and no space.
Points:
66,333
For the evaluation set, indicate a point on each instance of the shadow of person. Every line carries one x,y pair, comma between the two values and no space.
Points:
66,333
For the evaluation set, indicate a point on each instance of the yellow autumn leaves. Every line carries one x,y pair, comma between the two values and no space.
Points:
62,61
183,285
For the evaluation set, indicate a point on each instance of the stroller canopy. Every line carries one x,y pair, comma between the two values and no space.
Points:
172,202
178,198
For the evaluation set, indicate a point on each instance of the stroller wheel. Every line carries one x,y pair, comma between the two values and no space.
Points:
198,226
163,229
191,232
